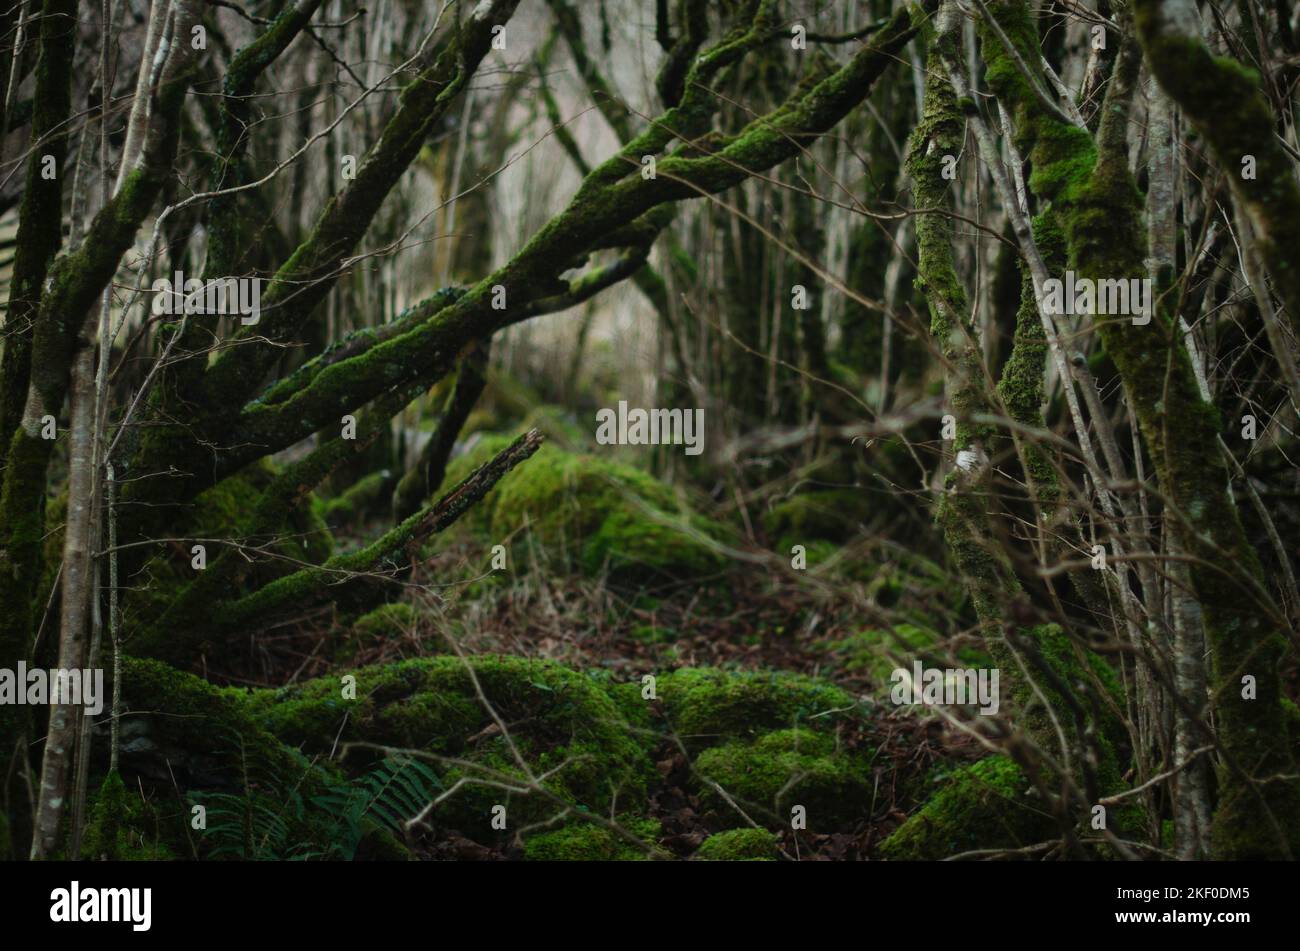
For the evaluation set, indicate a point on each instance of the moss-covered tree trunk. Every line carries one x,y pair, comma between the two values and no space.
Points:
36,243
1091,189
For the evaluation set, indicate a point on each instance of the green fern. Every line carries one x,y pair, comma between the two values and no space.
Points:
268,820
253,827
262,822
391,794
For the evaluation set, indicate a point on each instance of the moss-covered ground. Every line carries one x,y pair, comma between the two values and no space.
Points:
593,675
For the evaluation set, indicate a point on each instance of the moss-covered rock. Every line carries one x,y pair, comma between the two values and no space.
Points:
705,705
207,734
629,697
739,845
593,514
181,736
588,842
987,805
564,724
784,769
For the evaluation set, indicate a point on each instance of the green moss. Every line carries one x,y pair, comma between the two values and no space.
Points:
51,560
939,134
183,710
824,556
831,515
1099,207
388,623
739,845
180,734
653,634
504,403
592,513
314,541
588,842
559,427
982,806
118,825
480,451
362,499
1067,156
867,652
1092,682
1291,715
705,705
227,511
1020,386
784,769
562,721
379,845
627,696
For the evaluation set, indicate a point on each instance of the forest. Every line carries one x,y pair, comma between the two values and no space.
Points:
602,430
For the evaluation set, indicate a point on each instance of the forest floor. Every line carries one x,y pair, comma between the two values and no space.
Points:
694,670
739,622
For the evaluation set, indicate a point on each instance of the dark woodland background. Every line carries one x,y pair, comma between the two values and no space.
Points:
365,585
